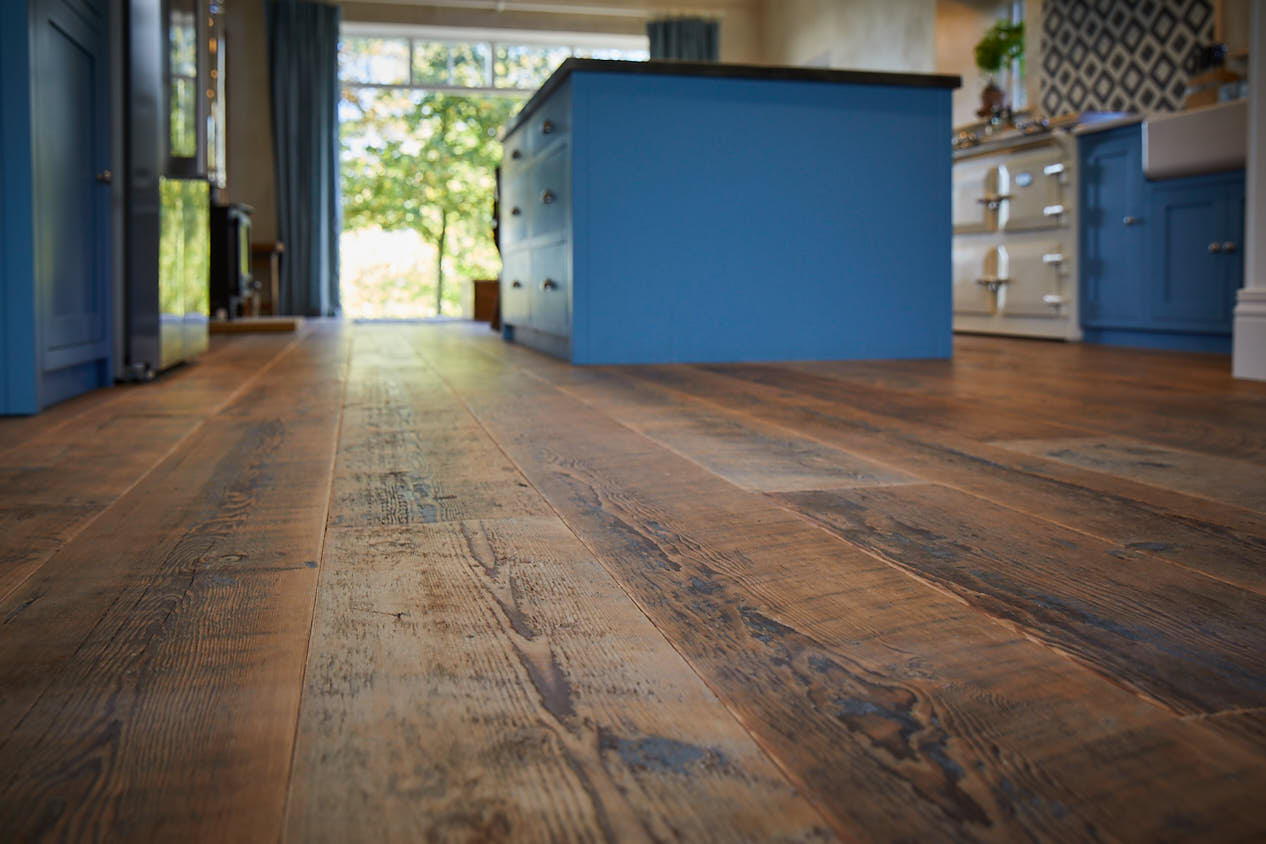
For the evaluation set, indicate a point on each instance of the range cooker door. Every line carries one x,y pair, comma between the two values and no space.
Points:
976,186
1034,190
1036,286
975,264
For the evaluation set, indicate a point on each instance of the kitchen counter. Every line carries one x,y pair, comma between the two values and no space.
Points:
717,70
668,211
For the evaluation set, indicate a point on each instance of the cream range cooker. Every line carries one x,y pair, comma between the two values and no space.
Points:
1015,236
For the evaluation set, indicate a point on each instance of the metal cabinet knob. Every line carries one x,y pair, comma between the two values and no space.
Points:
105,177
547,128
1215,247
516,210
1129,221
549,284
516,284
1229,246
548,196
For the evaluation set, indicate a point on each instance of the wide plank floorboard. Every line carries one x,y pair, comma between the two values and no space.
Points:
408,582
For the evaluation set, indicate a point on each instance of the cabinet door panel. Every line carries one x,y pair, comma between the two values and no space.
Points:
514,207
1189,270
516,280
550,196
1111,247
551,291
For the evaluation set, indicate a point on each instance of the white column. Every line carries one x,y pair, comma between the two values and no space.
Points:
1249,334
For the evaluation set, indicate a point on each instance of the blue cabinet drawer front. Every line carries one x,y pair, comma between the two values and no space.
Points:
550,196
551,291
516,285
515,210
551,123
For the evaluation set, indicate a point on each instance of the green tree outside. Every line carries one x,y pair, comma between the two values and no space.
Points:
425,161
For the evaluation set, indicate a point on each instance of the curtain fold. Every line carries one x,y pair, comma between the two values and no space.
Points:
303,77
686,39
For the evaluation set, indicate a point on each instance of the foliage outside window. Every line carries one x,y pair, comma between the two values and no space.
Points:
421,122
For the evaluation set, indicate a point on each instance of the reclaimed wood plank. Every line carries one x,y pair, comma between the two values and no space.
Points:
1222,542
911,711
489,681
150,671
75,469
1195,645
1231,481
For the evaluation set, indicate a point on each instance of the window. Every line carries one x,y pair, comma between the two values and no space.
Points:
509,66
420,113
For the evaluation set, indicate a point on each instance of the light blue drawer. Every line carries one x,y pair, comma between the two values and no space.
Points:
550,123
516,286
551,290
550,198
515,207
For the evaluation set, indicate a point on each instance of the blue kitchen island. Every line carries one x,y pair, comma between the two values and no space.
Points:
655,212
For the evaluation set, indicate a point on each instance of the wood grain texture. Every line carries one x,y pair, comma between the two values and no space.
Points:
911,711
1196,646
489,681
1229,481
1224,543
150,670
56,480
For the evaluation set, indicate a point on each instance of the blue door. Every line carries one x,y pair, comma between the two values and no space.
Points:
1112,231
71,213
1189,274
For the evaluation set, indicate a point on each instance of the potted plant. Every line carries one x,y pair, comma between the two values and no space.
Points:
1002,44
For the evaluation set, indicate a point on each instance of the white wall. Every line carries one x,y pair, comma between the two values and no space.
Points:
893,35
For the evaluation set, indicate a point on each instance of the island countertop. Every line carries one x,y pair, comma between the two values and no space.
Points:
719,70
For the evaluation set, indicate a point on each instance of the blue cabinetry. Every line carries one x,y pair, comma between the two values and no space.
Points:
1160,260
657,212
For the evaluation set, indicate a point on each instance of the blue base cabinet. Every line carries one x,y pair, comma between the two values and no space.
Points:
1160,260
674,212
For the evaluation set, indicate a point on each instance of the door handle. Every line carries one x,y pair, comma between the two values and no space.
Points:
1129,221
1215,247
1229,246
549,284
516,284
105,177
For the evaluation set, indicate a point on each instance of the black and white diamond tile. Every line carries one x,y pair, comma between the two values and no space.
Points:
1116,55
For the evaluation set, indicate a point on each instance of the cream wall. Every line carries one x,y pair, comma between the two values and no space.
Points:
959,25
894,35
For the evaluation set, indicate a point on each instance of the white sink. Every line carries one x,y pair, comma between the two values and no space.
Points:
1202,140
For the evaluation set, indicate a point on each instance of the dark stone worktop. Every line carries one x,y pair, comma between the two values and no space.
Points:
718,70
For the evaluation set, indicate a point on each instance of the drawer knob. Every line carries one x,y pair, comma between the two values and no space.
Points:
549,284
548,196
1129,221
547,128
1215,247
516,210
516,283
516,154
1229,246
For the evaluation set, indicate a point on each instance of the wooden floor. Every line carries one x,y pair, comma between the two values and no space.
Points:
406,582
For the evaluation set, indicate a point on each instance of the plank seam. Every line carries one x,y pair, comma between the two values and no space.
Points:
316,590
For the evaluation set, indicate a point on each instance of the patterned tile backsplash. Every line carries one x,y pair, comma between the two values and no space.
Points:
1119,55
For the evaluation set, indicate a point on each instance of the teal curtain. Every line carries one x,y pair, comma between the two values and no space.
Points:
303,72
685,39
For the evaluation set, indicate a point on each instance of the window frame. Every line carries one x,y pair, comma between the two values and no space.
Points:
492,39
